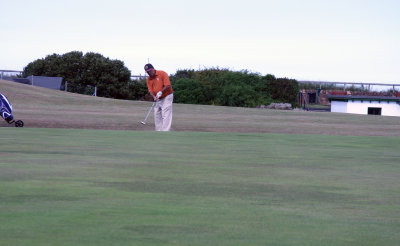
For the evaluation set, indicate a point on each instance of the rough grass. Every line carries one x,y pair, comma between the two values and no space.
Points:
91,187
44,108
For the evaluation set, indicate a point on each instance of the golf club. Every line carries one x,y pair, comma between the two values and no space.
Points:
148,113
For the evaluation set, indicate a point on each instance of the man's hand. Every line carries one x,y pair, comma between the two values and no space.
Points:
159,94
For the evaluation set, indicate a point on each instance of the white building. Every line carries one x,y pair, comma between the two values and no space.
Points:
375,105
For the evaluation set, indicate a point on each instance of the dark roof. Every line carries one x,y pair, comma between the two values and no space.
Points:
362,98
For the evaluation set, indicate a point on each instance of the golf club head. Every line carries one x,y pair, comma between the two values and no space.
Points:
143,123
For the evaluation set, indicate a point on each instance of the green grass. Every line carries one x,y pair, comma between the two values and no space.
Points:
94,187
224,176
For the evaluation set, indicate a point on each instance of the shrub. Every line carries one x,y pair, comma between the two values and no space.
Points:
188,91
217,86
242,89
283,90
138,89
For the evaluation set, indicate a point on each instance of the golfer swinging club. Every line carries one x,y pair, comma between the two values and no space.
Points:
160,89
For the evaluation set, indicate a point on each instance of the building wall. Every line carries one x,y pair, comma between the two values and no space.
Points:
393,109
361,107
338,107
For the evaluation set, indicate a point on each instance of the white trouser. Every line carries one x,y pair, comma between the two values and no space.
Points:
163,113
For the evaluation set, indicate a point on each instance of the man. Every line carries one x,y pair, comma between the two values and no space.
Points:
160,89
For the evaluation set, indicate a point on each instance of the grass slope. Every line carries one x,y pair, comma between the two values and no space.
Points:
44,108
88,187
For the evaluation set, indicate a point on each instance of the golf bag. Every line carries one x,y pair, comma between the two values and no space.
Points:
6,112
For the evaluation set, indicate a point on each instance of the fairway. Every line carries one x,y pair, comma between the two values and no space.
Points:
96,187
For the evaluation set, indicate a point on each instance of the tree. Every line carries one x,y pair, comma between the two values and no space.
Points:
111,77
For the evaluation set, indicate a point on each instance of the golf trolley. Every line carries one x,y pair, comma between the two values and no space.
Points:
6,112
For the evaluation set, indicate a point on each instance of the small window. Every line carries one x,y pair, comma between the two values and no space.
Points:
375,111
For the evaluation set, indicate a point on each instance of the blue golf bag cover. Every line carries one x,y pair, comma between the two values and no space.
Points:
5,109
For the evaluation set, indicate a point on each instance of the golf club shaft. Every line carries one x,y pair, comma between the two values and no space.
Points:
148,113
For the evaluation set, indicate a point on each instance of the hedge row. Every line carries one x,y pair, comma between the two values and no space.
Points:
223,87
231,88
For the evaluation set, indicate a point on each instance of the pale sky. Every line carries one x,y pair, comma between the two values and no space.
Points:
328,40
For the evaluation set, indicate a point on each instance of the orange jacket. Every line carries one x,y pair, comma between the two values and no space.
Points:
157,83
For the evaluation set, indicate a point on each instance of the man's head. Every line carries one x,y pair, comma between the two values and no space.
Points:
150,70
